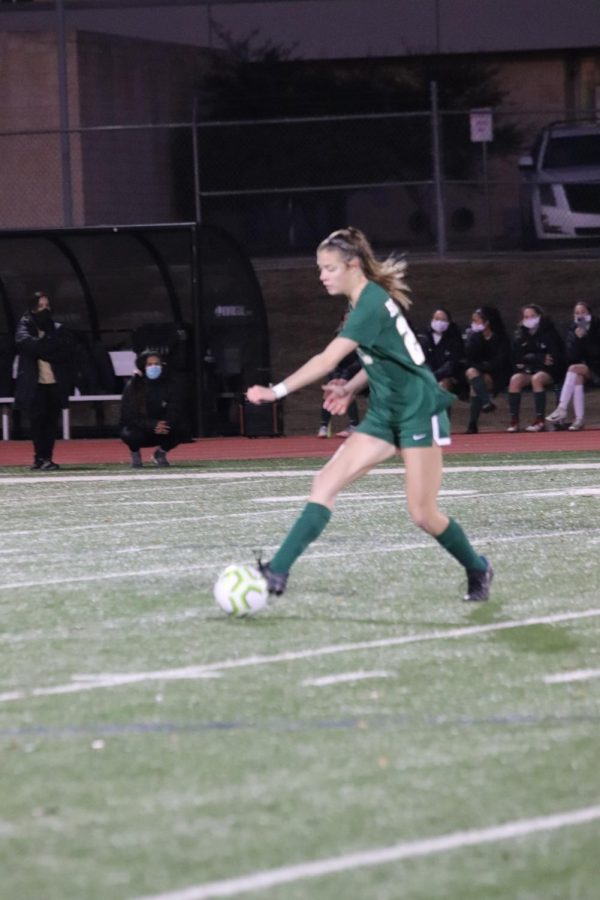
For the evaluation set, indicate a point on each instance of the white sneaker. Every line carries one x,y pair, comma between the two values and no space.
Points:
558,417
577,425
536,425
323,432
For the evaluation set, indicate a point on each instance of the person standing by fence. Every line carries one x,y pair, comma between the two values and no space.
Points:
44,376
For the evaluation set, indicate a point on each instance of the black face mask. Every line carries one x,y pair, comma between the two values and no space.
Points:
42,319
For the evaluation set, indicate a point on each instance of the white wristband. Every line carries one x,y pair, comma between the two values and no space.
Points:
280,390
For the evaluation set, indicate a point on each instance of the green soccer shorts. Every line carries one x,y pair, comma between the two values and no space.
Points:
410,432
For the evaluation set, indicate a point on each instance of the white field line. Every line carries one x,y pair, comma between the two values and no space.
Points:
200,671
345,677
380,500
577,675
458,840
130,523
81,633
93,682
313,555
393,496
361,495
76,579
283,473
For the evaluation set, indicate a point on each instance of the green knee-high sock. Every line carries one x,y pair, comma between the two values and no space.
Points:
539,400
514,403
306,529
455,541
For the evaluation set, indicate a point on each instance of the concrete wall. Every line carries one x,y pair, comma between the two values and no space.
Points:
302,317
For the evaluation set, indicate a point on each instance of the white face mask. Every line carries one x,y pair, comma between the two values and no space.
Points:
439,325
477,326
531,323
582,320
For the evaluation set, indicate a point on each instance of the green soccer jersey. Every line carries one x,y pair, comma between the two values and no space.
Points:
402,386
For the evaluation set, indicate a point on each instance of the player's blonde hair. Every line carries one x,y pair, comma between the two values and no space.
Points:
389,273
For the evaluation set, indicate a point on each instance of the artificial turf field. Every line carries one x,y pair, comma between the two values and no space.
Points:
370,736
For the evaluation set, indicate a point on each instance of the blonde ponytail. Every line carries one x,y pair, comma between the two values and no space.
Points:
388,273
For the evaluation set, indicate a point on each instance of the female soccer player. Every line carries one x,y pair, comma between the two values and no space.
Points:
407,409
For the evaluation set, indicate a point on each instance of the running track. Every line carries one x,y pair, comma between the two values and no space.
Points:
93,452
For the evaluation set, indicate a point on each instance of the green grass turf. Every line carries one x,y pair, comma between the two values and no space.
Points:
154,786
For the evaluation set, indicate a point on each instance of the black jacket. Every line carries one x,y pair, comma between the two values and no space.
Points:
491,357
55,346
446,359
529,350
145,402
585,349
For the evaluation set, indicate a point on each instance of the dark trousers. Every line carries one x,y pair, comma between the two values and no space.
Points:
43,418
135,438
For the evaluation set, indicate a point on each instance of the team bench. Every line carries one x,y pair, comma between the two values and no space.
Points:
123,362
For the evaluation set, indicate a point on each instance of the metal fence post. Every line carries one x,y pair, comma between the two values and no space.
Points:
63,97
196,163
440,218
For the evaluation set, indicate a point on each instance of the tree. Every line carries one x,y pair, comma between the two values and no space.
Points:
346,123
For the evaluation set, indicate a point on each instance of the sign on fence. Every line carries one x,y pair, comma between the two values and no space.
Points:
482,125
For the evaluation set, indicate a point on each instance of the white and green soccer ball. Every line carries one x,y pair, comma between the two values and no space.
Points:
241,590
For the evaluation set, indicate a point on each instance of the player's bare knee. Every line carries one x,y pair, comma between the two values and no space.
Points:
423,519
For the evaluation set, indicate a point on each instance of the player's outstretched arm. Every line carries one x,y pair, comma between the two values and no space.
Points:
314,370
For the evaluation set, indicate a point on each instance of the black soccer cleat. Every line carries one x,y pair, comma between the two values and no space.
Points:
49,465
276,581
480,582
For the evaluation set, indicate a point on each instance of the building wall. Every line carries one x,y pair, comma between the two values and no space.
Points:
334,29
110,81
139,175
30,175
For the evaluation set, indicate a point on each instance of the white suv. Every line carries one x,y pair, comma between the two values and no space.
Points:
560,190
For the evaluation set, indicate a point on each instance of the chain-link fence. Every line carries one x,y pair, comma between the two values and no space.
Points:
418,180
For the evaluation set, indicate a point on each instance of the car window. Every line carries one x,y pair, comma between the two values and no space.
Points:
575,150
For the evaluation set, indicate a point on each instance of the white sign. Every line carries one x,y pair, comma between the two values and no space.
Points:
482,125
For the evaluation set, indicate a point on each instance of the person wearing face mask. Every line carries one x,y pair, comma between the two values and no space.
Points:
444,351
153,410
44,376
583,366
538,362
487,352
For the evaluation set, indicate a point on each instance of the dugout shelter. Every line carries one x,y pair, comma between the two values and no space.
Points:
186,289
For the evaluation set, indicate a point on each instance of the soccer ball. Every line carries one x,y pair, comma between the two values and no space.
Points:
241,590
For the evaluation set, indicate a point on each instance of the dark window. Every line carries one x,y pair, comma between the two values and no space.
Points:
567,152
